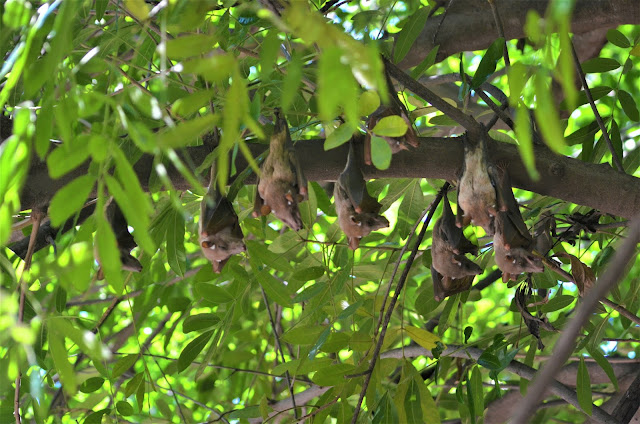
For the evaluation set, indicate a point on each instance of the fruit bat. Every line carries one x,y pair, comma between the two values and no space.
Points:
512,243
357,210
220,232
395,107
478,202
282,183
452,272
124,239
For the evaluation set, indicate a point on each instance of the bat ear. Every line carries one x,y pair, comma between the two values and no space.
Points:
506,277
354,243
265,210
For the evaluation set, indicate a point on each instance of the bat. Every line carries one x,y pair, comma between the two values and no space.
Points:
395,107
512,243
477,198
358,212
452,272
124,239
220,232
282,183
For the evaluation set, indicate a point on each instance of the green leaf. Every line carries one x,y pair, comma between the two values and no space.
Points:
412,403
409,33
380,153
213,293
547,116
62,364
310,292
423,337
291,82
176,255
599,65
188,105
138,8
133,384
70,199
303,334
488,63
263,256
391,126
475,389
339,136
583,388
199,322
96,417
385,411
332,375
309,273
189,45
192,350
101,7
275,289
618,39
337,89
604,364
525,141
489,361
123,365
214,69
245,413
186,132
91,384
557,303
368,102
108,253
124,408
628,105
319,343
426,63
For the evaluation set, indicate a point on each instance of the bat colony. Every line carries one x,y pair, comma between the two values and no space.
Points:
485,199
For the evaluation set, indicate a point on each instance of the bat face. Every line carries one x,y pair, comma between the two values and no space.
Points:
282,184
220,233
454,272
516,260
279,196
476,188
357,211
219,247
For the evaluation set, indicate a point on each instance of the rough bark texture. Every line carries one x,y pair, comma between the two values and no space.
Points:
452,30
596,186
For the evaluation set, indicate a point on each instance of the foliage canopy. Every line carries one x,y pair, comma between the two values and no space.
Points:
128,100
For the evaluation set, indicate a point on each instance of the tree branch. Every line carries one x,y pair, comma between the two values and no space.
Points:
440,158
480,28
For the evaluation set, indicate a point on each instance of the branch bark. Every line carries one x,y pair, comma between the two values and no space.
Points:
469,25
594,185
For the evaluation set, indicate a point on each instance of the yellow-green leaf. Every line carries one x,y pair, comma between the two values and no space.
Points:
391,126
423,337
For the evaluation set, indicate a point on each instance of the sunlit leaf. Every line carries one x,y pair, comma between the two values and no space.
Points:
410,32
380,153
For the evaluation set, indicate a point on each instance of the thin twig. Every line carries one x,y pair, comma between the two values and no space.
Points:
566,344
467,121
496,17
603,129
392,304
279,348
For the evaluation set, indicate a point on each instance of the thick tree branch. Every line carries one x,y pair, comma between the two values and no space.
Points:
469,25
595,186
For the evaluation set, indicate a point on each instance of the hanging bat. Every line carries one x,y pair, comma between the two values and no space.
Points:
220,232
512,243
478,202
395,107
124,239
282,183
452,272
358,212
